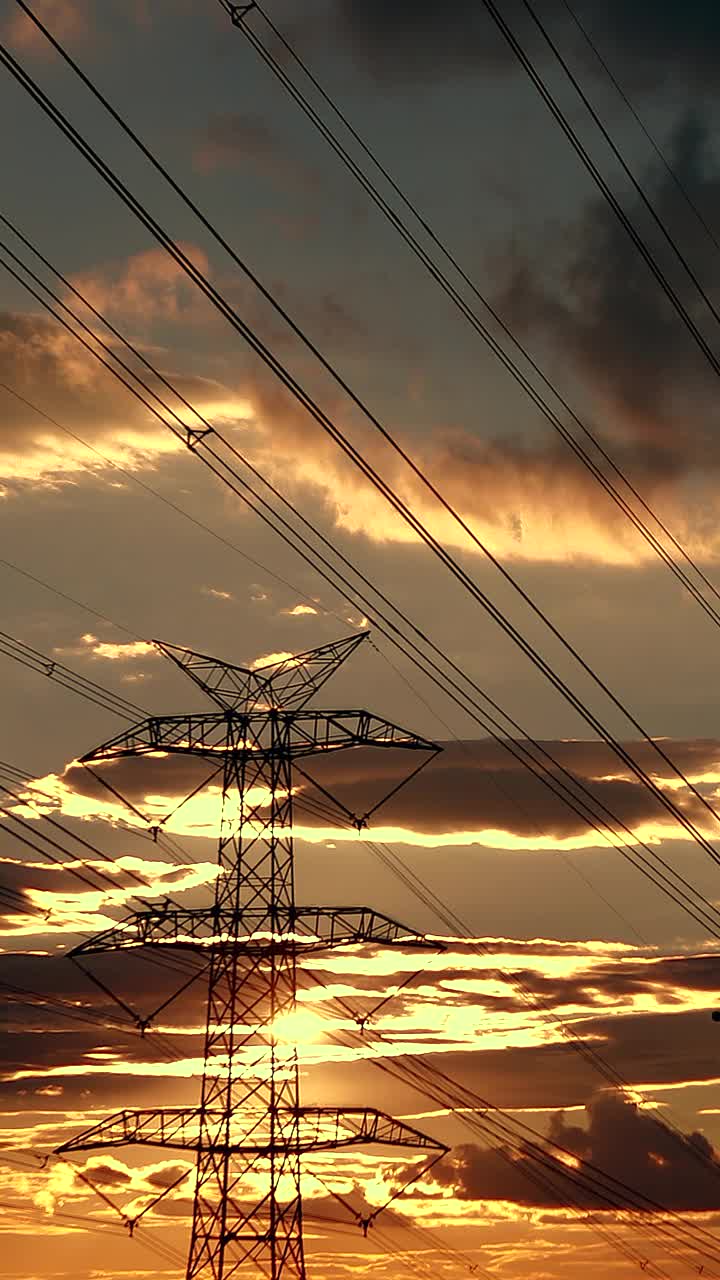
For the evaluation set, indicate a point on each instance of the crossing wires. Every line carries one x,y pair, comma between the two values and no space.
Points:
357,459
693,583
210,446
195,438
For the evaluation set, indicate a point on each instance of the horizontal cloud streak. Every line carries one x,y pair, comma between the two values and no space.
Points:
473,791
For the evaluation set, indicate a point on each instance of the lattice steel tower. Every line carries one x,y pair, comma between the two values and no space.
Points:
250,1133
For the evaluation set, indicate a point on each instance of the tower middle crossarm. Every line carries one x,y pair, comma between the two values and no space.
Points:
309,733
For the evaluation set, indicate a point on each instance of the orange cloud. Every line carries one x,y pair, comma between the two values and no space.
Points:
69,21
146,287
47,367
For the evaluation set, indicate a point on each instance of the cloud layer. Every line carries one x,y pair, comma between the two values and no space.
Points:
472,792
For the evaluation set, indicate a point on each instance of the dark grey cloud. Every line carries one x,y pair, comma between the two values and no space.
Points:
645,40
97,874
56,1014
628,985
655,40
667,981
625,1142
405,40
655,1049
593,296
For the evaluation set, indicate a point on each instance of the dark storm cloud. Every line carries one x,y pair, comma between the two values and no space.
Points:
646,40
625,1142
595,298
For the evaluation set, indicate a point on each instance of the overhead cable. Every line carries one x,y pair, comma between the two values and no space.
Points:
476,323
553,775
357,459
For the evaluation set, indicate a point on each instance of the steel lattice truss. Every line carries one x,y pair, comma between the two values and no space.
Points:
249,1132
288,683
302,929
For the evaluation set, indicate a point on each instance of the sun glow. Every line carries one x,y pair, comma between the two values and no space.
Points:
299,1027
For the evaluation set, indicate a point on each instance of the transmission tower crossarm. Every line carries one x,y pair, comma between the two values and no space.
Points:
212,735
355,1126
159,1127
303,929
314,1128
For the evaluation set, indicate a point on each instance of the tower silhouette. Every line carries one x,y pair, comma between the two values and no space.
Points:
250,1132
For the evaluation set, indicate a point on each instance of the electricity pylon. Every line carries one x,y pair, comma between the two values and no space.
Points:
250,1133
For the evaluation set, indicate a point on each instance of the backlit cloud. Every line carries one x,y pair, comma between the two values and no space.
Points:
676,1171
91,646
145,288
524,497
301,611
472,793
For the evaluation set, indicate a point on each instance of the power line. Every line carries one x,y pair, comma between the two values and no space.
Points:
56,671
351,452
553,775
141,484
669,169
581,151
474,320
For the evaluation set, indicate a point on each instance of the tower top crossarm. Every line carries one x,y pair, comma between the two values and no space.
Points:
217,734
283,681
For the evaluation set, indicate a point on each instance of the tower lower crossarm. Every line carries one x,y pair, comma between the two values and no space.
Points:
302,929
317,1129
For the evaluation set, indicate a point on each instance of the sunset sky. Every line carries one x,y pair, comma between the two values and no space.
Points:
114,535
